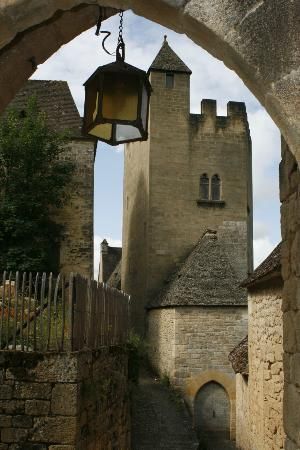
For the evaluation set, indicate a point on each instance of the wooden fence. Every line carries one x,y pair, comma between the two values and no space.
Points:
40,312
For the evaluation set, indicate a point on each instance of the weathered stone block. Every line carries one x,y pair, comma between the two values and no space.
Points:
11,406
5,392
37,407
9,435
32,390
62,447
64,400
22,422
28,446
292,403
5,421
61,430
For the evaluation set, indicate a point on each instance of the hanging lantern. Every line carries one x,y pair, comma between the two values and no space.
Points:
117,101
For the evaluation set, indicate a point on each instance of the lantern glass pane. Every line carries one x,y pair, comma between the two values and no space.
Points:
96,105
102,131
144,108
120,97
125,132
91,96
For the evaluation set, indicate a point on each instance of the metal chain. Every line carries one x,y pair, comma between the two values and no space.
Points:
108,33
120,38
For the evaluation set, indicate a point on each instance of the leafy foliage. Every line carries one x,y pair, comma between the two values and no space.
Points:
137,355
33,178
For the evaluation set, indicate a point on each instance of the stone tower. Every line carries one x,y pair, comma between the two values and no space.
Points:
193,174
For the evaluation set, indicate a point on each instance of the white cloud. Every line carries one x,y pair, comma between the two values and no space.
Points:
97,241
262,247
260,230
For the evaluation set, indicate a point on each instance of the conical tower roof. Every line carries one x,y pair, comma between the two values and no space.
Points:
206,278
167,61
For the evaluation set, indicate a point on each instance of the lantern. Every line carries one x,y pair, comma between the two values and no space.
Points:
117,102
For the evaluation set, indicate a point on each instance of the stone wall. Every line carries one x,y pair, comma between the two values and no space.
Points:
265,369
161,338
204,336
260,402
290,220
76,401
242,413
191,345
77,216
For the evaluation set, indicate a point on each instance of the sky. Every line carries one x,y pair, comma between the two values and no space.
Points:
77,60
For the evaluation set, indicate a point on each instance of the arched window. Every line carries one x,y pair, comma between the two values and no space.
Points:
215,187
204,187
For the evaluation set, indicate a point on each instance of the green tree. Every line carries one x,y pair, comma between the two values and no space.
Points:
33,180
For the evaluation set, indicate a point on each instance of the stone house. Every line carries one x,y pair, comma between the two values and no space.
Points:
258,362
55,100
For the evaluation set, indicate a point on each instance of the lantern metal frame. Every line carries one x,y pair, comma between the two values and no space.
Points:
95,90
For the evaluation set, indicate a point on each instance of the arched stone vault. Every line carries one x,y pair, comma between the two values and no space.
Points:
256,38
259,39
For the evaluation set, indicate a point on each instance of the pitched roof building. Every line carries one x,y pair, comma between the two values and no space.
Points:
55,100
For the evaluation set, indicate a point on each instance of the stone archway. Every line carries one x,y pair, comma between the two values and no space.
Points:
212,412
250,37
257,39
198,381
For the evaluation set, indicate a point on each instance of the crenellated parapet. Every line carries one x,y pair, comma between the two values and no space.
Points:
234,121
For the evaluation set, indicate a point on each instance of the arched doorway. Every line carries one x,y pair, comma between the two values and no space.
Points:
212,413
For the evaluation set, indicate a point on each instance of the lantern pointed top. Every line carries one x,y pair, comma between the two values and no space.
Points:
168,61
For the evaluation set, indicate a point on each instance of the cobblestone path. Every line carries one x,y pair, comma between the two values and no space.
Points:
161,422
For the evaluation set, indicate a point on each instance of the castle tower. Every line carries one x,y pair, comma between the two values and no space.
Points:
193,174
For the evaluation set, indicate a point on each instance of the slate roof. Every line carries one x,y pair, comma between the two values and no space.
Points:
55,99
167,61
115,277
205,278
239,357
269,267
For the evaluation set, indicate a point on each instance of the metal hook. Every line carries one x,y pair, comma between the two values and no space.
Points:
121,45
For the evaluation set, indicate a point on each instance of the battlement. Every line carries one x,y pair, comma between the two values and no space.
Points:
236,111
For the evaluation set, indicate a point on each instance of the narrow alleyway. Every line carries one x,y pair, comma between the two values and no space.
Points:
161,422
159,419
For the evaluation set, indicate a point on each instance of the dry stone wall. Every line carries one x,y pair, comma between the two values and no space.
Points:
265,369
74,401
242,413
290,214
